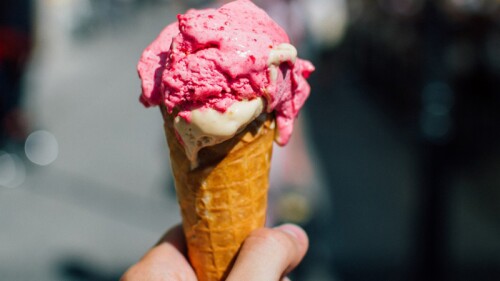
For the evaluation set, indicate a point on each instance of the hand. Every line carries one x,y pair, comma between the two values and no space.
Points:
267,254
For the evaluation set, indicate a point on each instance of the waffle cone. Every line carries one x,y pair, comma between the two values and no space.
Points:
225,197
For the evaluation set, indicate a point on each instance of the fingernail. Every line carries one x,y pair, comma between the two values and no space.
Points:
291,229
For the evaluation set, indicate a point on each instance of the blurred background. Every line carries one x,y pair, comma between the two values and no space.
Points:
394,168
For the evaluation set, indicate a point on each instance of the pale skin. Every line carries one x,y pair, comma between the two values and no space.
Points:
267,254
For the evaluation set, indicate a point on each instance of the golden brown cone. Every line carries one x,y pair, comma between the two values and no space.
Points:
225,198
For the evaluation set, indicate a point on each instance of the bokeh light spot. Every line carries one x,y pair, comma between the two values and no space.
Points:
12,170
7,169
41,148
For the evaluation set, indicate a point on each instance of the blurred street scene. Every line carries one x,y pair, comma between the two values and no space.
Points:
89,192
393,168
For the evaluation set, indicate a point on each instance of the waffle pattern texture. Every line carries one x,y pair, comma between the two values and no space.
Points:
225,198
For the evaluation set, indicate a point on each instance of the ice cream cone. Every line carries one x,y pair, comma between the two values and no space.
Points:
225,197
212,72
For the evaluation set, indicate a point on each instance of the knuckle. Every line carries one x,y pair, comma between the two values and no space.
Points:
272,239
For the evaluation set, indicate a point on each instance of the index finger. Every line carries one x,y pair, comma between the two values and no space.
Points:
165,261
269,254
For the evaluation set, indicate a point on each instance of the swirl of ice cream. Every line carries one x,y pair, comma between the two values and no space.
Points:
209,126
214,61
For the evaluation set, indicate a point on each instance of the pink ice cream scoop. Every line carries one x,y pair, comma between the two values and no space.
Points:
214,58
